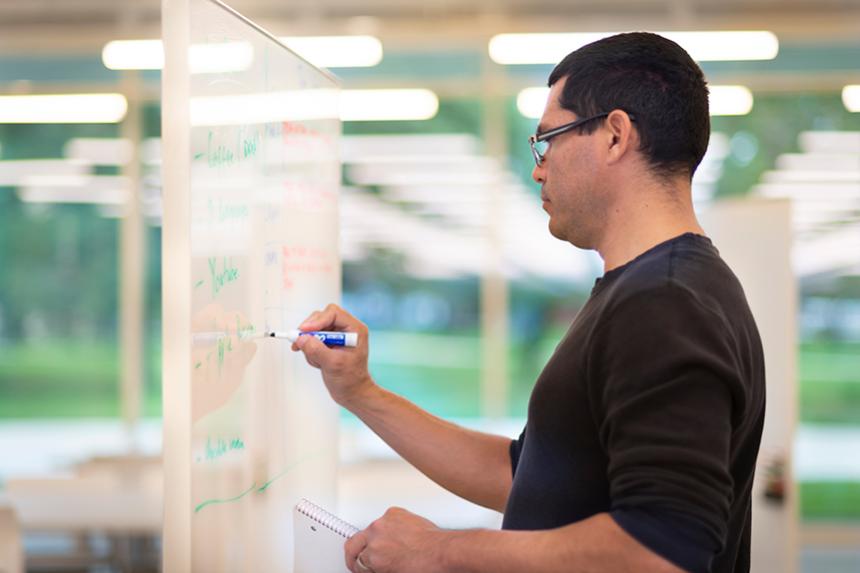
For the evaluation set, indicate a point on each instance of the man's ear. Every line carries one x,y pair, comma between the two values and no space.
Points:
621,137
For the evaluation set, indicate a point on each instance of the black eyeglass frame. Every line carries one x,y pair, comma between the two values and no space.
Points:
549,134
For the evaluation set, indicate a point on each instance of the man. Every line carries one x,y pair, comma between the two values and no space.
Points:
643,428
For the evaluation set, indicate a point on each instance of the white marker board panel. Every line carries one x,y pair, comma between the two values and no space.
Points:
252,174
771,290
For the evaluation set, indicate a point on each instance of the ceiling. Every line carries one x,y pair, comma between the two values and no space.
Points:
45,25
50,27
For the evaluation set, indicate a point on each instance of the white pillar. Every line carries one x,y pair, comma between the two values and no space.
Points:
132,254
494,285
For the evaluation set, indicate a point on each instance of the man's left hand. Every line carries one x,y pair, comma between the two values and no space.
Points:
397,542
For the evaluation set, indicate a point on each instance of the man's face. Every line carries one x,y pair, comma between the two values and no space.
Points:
570,178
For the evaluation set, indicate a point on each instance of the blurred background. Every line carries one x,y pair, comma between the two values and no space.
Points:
445,249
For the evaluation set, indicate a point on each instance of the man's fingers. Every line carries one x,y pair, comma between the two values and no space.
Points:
353,548
315,351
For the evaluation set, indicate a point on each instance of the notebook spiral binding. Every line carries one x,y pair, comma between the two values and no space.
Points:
326,519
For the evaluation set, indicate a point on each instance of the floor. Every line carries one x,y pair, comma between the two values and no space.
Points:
371,479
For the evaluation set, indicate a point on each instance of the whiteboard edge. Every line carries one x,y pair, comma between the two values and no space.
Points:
176,287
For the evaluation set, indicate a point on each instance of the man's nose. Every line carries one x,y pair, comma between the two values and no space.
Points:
538,174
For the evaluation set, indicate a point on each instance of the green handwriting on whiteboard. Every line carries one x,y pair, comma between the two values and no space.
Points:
254,488
224,343
223,211
218,154
246,331
229,151
220,277
219,447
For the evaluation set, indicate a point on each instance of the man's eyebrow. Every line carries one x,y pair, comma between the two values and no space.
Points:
540,128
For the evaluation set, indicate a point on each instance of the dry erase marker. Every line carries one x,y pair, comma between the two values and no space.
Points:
326,337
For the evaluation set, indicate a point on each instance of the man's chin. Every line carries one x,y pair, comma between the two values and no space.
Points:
575,239
555,231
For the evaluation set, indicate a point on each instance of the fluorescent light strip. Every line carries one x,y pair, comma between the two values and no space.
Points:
203,58
432,165
427,179
324,51
836,250
811,176
261,108
309,104
818,191
133,55
702,46
722,46
91,183
356,147
100,151
72,195
13,173
337,51
532,101
388,105
830,142
851,98
220,58
724,100
819,161
65,108
730,100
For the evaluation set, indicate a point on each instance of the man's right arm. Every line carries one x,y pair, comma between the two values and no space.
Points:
473,465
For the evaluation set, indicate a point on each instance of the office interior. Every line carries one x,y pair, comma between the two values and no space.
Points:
438,102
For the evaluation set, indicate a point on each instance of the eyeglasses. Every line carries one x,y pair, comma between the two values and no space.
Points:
539,142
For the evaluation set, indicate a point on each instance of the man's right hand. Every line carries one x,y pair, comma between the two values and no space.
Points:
344,369
471,464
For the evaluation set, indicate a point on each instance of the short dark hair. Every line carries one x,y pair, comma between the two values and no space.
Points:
651,77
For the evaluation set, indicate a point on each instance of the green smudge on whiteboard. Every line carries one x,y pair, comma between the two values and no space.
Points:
254,487
200,506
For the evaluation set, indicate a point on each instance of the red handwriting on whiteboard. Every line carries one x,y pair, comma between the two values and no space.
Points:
305,145
299,195
301,261
292,130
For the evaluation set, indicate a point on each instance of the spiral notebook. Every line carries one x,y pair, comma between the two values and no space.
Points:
319,538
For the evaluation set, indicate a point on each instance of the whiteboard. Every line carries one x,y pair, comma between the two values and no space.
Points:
250,244
771,289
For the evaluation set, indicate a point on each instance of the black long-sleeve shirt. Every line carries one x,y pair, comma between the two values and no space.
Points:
651,409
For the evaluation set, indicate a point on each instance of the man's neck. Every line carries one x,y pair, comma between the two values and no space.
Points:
636,225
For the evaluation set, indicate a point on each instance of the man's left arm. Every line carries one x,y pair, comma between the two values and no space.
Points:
401,542
669,393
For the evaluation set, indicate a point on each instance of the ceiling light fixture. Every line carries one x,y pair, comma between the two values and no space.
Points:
323,51
851,98
337,51
63,108
702,46
724,100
